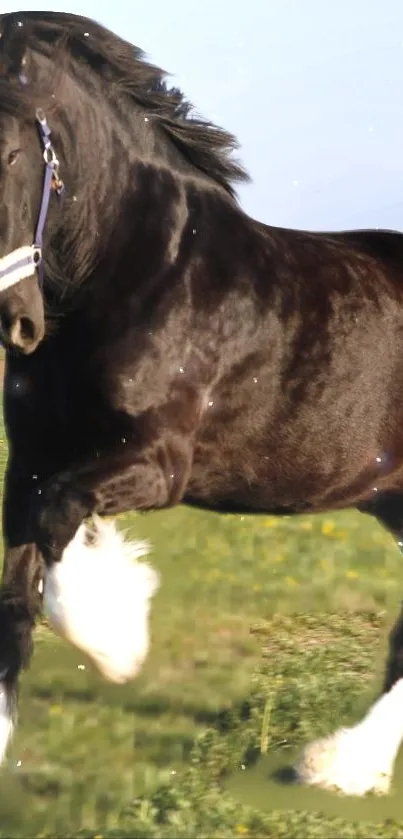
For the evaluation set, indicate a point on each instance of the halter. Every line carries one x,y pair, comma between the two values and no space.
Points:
23,262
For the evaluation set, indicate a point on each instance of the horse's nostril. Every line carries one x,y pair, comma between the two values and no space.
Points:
20,332
27,329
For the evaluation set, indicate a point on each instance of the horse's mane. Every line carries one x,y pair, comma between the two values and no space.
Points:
124,66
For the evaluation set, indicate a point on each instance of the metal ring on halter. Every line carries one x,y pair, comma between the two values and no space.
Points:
50,157
41,116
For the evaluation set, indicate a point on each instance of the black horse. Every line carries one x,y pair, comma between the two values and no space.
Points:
163,347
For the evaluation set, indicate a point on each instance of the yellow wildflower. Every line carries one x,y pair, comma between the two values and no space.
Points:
328,527
55,710
270,522
352,575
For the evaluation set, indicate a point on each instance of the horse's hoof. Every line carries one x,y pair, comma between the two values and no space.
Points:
347,762
7,700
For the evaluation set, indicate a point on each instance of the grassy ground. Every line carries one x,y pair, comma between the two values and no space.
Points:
266,633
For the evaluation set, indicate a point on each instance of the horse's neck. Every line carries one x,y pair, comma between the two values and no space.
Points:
135,203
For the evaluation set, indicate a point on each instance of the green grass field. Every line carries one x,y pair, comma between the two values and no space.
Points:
266,632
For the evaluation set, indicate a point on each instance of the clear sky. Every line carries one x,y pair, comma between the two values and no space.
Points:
313,90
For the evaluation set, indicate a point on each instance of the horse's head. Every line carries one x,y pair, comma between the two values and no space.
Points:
22,321
28,176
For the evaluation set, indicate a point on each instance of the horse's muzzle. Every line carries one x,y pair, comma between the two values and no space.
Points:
21,333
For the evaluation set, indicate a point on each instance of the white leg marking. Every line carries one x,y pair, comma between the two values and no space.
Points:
360,759
98,598
6,723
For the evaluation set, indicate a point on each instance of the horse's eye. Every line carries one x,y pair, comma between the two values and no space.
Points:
13,157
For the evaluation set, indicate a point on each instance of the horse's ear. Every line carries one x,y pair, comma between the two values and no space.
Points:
13,45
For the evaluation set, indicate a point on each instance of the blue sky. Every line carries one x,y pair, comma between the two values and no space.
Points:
313,91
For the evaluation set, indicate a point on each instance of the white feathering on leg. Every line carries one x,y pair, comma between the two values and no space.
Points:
98,598
6,722
360,759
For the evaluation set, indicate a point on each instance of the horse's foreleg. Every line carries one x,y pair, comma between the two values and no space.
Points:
20,593
361,758
96,597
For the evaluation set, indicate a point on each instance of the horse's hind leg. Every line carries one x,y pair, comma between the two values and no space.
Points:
361,759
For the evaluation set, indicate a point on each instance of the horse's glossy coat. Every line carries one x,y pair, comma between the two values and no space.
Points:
192,354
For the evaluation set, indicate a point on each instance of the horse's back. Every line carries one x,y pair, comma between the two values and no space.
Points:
383,245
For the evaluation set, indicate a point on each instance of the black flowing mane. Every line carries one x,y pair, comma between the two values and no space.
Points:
125,70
